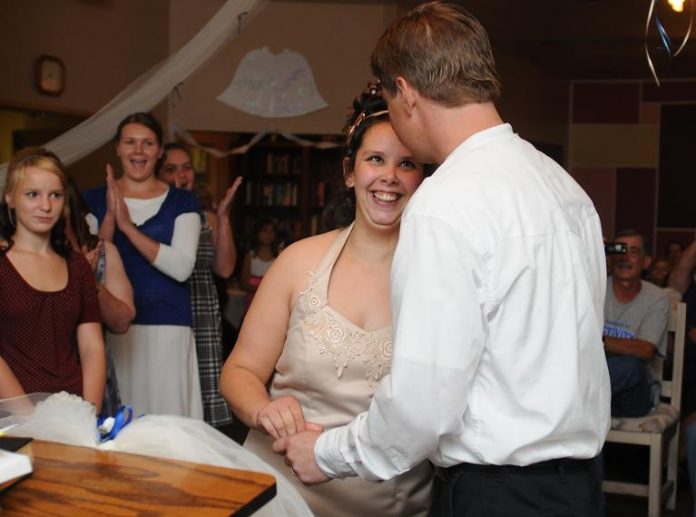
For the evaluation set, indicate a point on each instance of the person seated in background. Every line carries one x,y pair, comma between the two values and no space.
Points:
259,258
674,250
216,254
682,280
659,272
50,332
115,292
635,329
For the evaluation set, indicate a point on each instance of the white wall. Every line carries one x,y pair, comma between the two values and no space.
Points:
336,39
104,44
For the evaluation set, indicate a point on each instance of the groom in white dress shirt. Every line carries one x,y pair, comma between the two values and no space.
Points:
498,282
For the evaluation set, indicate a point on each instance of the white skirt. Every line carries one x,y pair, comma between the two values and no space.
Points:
157,370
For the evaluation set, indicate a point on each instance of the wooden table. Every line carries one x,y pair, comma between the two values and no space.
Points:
74,481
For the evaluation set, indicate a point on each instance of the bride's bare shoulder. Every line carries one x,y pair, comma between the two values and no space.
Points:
306,254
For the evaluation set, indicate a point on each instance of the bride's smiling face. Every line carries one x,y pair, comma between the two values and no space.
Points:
384,176
138,149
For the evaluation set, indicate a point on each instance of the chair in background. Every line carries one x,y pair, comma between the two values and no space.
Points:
660,429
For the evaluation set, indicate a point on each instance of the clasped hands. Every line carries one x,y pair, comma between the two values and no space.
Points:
115,204
283,419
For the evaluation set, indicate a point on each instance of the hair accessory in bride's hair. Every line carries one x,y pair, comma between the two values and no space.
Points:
362,118
374,88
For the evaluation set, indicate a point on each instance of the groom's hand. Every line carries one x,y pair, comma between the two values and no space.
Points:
299,454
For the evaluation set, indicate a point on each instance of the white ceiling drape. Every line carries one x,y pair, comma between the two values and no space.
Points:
145,92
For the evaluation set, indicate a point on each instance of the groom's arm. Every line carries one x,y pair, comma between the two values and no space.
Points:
299,455
438,336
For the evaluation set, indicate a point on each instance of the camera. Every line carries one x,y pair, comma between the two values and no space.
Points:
615,248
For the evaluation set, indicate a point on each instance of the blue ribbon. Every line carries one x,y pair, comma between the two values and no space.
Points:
664,37
122,418
665,40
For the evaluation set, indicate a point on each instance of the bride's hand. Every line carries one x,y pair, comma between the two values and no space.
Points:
281,417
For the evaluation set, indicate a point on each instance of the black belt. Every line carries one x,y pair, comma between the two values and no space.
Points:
560,465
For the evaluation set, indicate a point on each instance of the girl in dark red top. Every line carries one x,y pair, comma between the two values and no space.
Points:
50,332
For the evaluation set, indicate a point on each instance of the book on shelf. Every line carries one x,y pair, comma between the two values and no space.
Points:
283,163
271,194
321,194
314,224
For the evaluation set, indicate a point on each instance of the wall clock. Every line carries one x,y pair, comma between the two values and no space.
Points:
50,75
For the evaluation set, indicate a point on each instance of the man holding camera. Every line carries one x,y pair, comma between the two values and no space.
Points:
635,328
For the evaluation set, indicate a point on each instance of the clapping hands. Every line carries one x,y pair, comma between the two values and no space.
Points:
115,204
223,209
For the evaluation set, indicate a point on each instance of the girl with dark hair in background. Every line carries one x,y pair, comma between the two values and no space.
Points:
258,259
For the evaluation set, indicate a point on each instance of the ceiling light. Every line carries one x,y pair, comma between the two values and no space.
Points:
677,5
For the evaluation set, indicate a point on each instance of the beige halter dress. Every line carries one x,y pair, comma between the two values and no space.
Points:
333,367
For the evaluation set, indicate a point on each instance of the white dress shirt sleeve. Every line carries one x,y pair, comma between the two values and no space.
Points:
177,260
92,224
440,328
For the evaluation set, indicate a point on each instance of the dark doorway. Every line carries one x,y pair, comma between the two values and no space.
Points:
677,181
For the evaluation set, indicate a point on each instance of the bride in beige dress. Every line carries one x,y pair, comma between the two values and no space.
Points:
319,330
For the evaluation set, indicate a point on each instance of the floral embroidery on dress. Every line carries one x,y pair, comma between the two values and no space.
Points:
345,345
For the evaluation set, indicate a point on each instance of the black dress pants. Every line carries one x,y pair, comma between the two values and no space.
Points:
558,488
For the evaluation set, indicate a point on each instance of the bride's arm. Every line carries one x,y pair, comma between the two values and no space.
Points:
261,339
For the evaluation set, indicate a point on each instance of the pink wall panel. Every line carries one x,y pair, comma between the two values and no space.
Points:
650,113
669,91
600,185
636,200
606,103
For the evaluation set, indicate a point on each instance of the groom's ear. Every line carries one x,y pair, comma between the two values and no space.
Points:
406,93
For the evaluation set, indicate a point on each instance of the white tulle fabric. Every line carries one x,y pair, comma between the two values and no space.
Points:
145,92
68,419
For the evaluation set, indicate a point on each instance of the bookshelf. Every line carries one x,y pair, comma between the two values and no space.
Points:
283,181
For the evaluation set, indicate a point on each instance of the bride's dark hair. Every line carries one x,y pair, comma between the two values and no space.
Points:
368,108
